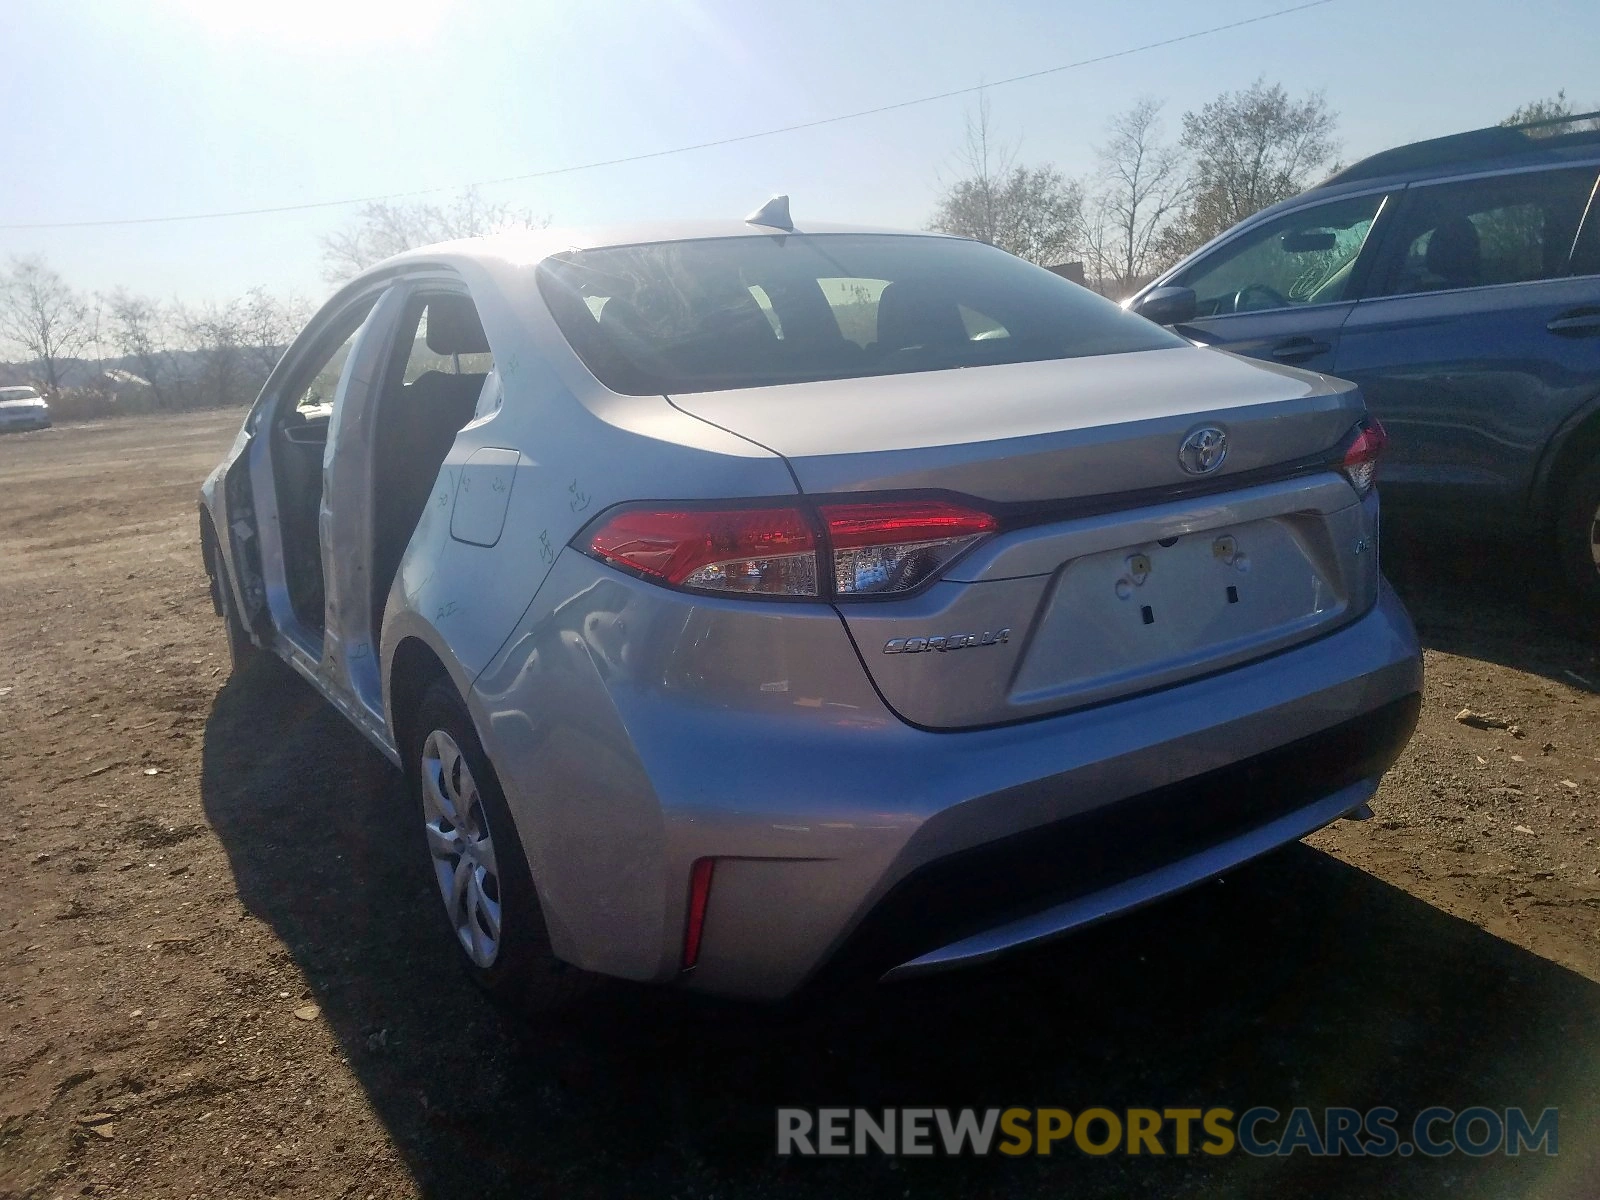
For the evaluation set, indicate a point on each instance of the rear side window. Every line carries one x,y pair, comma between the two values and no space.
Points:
1481,232
755,311
1586,255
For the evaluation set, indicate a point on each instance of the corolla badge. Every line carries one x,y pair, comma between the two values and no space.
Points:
954,641
1203,450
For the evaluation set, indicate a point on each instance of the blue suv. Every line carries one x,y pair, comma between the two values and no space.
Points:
1458,282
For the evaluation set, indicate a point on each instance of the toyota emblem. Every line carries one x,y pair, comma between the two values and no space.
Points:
1203,450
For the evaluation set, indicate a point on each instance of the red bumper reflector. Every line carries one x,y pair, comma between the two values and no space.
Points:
699,895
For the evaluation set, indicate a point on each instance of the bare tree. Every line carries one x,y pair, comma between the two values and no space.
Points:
44,317
141,331
970,206
1139,186
1030,211
1550,109
382,228
267,326
217,337
1250,149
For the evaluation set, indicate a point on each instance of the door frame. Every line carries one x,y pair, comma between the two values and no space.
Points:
351,653
1530,497
279,626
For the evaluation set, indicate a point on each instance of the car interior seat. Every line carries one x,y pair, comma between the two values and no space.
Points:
912,315
1454,254
715,326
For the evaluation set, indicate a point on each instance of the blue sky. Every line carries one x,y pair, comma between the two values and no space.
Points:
123,109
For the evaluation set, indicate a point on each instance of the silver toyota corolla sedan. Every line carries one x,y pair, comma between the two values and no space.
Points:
743,602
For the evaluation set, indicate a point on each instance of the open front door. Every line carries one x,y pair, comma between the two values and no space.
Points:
273,489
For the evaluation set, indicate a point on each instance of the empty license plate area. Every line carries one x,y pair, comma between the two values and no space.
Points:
1153,613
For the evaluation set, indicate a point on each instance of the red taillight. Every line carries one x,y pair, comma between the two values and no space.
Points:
875,548
769,551
1360,463
851,525
893,546
699,897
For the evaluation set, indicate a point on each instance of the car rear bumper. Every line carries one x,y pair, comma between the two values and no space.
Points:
1126,895
841,834
1046,882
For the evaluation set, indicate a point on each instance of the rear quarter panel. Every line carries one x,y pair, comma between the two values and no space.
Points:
579,450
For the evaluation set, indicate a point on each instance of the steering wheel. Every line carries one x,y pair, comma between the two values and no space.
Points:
1241,298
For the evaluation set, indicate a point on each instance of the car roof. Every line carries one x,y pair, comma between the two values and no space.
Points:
1497,148
528,247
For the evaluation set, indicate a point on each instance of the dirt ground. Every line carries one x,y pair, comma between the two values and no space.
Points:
196,859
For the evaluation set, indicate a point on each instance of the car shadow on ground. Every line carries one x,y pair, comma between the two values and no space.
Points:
1298,981
1500,599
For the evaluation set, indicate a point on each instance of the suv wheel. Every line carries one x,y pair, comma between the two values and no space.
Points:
477,864
1578,532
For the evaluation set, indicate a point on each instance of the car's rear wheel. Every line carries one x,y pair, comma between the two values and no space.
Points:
476,861
1578,533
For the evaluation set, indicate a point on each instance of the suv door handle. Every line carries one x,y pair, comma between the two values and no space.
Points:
1577,322
1298,349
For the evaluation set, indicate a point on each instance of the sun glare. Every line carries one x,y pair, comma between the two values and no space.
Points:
319,24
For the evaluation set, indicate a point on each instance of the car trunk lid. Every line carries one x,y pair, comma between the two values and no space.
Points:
1116,570
1037,431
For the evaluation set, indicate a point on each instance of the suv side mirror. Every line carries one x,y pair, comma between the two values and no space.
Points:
1167,305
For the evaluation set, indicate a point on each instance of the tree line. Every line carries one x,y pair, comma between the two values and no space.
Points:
96,353
1154,198
93,354
1151,199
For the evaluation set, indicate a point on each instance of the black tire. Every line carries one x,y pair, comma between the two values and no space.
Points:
1578,533
525,974
242,652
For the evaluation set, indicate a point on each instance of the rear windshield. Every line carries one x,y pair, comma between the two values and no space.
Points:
699,316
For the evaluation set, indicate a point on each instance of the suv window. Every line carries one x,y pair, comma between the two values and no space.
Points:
1586,253
1481,232
1302,257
